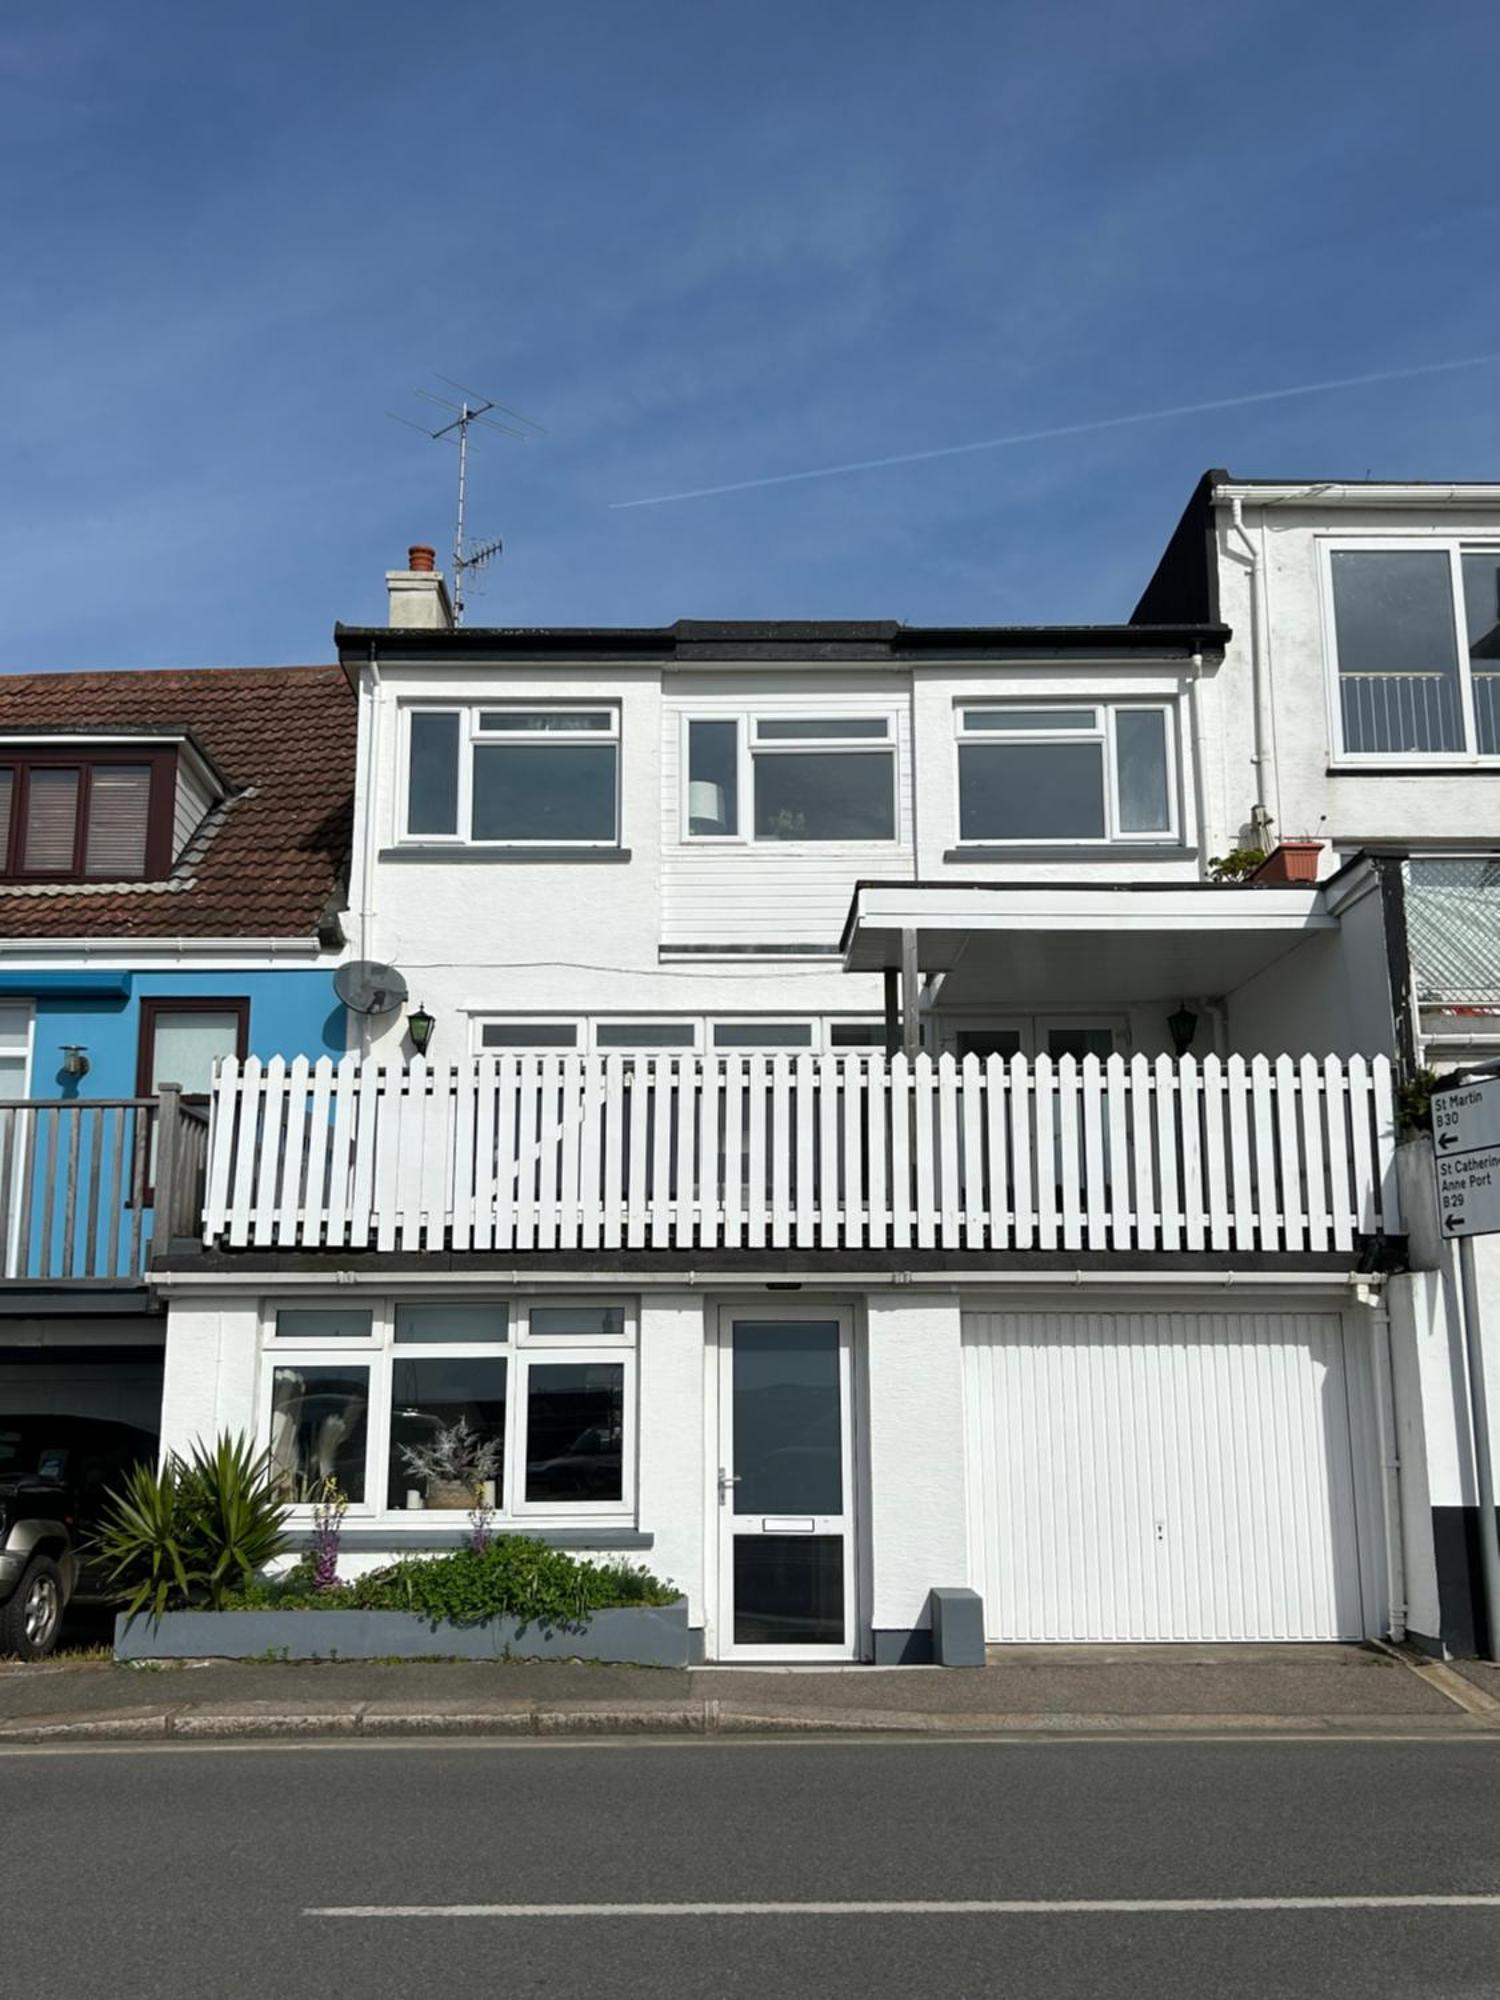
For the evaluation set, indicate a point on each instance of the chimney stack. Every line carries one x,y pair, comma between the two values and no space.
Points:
418,596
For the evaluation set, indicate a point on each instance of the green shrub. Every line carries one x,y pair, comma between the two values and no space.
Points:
192,1532
515,1577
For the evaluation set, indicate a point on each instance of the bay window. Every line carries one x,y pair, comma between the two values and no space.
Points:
514,776
1067,773
1415,633
765,777
348,1392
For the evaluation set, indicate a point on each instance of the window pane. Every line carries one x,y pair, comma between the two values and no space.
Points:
1031,791
119,806
575,1430
585,1322
432,791
429,1396
324,1323
1141,765
1398,651
1012,719
645,1035
7,798
51,822
563,721
185,1046
1081,1042
318,1416
564,792
762,1034
856,1034
436,1323
1482,614
825,796
987,1042
789,1590
529,1035
779,729
713,777
788,1440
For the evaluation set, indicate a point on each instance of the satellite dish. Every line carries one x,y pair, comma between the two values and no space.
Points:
367,987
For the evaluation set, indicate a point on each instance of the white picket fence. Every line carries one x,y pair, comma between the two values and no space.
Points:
852,1152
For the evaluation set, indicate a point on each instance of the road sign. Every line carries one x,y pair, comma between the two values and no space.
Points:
1466,1146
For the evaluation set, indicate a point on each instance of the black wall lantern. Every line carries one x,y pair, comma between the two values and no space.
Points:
1182,1026
419,1025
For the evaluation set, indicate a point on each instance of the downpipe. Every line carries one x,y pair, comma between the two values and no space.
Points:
1372,1297
1260,816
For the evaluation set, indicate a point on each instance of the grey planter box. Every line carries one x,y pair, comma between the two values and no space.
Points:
656,1635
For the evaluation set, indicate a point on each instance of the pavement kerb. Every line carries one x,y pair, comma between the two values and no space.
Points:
207,1723
1464,1694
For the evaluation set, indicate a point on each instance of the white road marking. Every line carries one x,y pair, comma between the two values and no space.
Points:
1133,1906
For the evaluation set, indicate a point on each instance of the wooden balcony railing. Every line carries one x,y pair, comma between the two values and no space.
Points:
87,1185
578,1153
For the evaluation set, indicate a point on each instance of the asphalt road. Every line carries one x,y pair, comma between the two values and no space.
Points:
191,1872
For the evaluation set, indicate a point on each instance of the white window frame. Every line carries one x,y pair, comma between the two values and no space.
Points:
747,720
586,1028
1455,547
1105,709
472,737
378,1353
22,1043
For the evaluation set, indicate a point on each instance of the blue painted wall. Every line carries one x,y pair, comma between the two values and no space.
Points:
291,1014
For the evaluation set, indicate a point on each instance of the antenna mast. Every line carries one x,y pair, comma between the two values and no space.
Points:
466,414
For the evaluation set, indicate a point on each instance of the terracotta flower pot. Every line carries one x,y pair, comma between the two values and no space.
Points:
1289,861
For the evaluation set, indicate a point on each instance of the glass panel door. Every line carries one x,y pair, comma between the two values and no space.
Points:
786,1542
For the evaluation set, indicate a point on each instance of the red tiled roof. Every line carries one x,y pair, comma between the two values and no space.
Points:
270,864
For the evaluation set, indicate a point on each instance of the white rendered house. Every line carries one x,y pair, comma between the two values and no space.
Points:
859,1150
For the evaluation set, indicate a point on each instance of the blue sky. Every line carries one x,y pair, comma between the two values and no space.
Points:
706,244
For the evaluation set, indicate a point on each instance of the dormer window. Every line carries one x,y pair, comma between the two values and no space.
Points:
86,816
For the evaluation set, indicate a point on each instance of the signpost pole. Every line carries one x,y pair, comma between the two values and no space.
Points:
1484,1468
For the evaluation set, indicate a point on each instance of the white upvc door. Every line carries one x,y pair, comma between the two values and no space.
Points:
784,1480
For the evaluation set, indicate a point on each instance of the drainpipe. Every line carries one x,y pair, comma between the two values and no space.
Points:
1200,752
368,755
1372,1296
1260,815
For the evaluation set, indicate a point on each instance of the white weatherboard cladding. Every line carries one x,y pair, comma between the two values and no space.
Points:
1164,1475
775,892
191,804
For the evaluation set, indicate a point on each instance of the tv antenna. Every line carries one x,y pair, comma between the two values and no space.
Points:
474,409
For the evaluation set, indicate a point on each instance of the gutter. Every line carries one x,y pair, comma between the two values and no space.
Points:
131,950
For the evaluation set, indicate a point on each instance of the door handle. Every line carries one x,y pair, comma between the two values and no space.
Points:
726,1480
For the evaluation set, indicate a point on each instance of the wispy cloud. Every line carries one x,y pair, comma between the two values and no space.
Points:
1086,429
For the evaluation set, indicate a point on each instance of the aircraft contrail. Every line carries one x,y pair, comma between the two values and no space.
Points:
1064,431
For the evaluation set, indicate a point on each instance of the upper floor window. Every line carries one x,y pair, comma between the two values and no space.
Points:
93,818
1066,773
779,778
513,776
1416,637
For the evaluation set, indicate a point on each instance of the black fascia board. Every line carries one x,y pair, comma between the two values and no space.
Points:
883,638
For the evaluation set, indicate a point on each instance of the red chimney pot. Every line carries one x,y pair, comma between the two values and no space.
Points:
420,557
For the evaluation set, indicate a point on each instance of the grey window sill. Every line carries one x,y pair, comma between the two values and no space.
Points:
501,856
419,1532
1061,850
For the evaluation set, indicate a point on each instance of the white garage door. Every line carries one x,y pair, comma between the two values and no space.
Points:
1173,1475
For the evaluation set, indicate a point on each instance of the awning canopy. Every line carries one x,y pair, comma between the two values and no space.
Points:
1057,943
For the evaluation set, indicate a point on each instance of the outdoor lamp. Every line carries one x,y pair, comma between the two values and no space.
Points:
75,1060
1182,1026
419,1026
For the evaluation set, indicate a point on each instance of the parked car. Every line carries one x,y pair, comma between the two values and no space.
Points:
55,1474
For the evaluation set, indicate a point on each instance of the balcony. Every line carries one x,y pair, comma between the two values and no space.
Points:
78,1208
549,1153
1386,714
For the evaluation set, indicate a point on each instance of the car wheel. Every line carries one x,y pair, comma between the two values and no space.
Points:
32,1617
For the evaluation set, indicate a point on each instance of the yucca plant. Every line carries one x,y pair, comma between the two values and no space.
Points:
193,1530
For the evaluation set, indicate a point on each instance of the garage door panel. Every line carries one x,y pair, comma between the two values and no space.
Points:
1138,1476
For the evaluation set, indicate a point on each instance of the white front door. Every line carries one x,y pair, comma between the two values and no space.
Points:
785,1485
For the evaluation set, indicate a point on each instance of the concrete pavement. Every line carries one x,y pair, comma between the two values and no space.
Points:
1103,1690
859,1867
